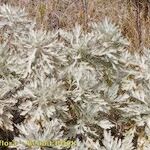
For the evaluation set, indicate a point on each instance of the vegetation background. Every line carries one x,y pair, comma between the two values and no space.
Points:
133,16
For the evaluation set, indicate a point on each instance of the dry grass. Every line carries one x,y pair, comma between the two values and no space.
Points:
54,14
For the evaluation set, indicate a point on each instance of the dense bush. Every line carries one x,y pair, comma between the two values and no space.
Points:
72,85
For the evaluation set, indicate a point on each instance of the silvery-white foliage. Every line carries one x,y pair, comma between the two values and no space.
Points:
43,100
105,124
144,142
15,20
7,85
80,145
34,132
72,85
88,144
39,54
111,143
5,116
